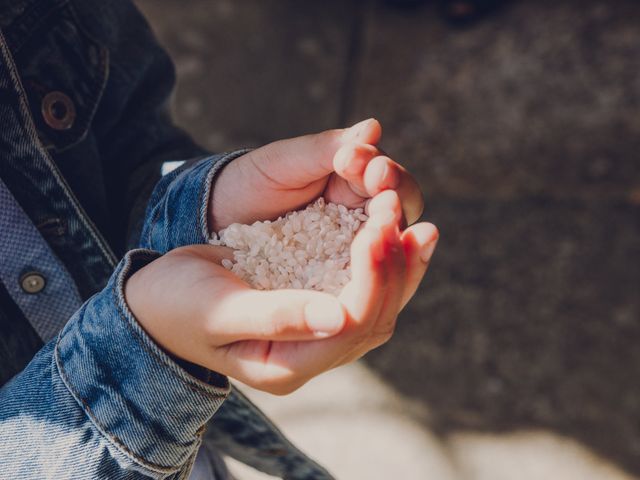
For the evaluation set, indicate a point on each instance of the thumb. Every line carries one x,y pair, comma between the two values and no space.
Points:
299,161
277,315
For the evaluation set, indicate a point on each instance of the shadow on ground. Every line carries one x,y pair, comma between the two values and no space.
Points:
524,132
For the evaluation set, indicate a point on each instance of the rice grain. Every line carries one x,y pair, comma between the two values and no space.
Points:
307,249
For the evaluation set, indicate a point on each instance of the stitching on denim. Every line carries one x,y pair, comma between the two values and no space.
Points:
152,224
203,195
148,349
143,339
112,439
100,81
125,72
156,210
62,183
207,187
36,14
97,82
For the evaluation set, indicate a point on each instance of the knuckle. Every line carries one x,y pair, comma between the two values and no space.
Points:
383,333
380,338
356,342
360,340
209,327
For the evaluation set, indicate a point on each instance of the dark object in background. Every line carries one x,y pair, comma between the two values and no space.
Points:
465,12
406,3
456,12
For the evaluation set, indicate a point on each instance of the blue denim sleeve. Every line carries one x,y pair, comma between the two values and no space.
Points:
103,401
177,210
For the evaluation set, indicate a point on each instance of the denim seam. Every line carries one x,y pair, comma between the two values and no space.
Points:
112,439
186,473
35,15
208,186
204,194
124,71
62,183
100,81
194,388
145,341
152,225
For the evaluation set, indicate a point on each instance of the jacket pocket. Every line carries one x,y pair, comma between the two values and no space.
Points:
64,71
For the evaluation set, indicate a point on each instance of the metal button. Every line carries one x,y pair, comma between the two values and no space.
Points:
58,111
32,282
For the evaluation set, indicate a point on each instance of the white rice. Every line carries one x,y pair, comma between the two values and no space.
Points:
307,249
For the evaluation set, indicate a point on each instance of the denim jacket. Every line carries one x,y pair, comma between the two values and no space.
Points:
85,128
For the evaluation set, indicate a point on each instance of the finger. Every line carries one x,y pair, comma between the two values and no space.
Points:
374,260
367,131
384,209
282,367
389,201
377,267
278,315
211,253
338,191
382,173
361,296
350,163
419,242
276,367
297,162
364,295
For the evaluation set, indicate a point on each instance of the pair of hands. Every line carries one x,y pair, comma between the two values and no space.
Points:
278,340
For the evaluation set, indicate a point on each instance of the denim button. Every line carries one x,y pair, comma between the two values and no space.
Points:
58,111
32,282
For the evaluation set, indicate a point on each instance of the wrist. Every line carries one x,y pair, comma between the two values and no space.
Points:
222,186
128,386
143,298
221,198
144,301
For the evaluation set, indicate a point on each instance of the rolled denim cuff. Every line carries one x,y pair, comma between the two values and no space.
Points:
139,398
178,208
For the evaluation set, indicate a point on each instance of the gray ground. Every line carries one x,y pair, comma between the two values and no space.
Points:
524,131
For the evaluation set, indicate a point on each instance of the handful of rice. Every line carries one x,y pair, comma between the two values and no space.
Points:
307,249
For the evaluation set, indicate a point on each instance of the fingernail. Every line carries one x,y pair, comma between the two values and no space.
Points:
366,207
358,129
427,250
324,316
389,178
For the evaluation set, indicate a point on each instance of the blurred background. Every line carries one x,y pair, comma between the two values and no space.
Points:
519,357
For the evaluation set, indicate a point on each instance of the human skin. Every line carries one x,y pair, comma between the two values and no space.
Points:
343,165
276,341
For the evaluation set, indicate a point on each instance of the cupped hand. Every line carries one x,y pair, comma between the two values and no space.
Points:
278,340
345,166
